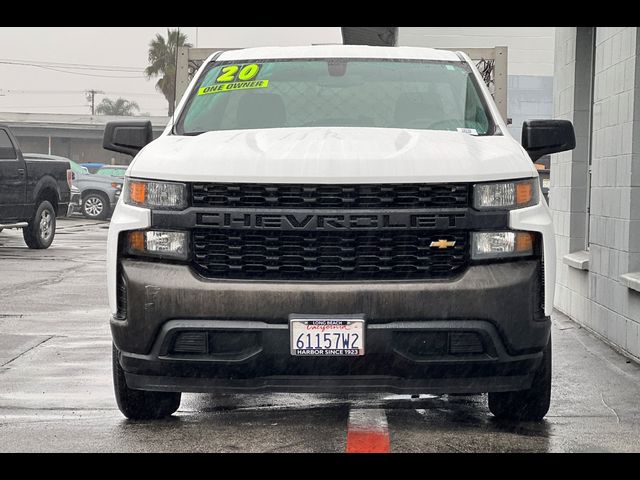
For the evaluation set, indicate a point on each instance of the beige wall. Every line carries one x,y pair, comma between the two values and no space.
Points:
531,49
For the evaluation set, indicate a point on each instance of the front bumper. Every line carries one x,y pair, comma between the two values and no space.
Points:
500,303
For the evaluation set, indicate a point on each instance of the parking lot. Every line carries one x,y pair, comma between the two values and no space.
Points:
56,392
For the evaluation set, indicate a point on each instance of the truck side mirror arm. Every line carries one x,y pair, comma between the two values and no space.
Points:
128,137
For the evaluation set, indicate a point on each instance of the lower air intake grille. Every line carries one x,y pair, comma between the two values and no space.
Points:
191,342
461,343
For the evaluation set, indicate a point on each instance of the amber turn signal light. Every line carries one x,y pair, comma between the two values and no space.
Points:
136,241
137,191
524,193
524,242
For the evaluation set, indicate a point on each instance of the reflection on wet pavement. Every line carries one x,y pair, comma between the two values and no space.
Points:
56,392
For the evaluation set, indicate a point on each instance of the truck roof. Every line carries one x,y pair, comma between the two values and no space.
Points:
44,156
339,51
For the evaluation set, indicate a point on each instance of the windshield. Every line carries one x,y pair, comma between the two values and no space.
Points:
77,169
429,95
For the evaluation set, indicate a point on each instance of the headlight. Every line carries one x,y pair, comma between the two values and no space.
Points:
151,194
487,245
158,243
505,195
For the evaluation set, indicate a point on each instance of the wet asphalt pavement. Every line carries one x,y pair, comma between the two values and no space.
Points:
56,393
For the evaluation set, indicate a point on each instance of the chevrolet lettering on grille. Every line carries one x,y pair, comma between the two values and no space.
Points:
342,221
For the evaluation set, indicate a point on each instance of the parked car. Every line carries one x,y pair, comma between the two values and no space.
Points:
93,167
75,167
98,193
33,192
112,171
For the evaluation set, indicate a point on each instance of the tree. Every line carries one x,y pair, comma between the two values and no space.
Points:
120,106
162,63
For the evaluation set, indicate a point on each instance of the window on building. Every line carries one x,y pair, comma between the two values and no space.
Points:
583,126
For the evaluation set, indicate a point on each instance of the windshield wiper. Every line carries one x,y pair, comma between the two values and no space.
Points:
193,134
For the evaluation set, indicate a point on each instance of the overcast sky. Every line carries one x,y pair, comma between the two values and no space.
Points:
33,89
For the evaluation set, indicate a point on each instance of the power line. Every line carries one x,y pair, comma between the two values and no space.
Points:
42,106
158,94
76,66
73,92
38,92
66,71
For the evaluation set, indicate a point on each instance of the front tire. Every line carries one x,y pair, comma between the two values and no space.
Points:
526,405
95,206
42,227
141,404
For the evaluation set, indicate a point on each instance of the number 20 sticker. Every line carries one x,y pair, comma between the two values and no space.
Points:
232,73
235,78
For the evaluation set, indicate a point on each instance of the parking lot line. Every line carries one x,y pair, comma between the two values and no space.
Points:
367,431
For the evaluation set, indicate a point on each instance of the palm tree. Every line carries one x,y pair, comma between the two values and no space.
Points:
162,63
120,106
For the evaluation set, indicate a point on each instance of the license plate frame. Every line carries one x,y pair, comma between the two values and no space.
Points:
335,326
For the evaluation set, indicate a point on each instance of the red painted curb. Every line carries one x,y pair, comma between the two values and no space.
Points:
367,432
367,442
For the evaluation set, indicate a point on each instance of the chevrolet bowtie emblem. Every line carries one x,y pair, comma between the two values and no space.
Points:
442,244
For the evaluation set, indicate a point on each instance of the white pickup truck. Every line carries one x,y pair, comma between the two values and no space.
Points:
333,219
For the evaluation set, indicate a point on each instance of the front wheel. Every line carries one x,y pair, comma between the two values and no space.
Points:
42,228
95,206
526,405
141,404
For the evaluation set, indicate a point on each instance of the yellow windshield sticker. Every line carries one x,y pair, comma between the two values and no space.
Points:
248,72
231,73
227,87
228,74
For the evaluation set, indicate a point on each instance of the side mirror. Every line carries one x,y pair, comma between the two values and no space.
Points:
541,137
128,136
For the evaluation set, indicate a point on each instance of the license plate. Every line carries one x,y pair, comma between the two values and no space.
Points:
327,336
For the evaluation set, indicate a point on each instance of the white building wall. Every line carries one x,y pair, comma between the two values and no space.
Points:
598,298
571,284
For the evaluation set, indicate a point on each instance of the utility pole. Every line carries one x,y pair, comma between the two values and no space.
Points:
91,97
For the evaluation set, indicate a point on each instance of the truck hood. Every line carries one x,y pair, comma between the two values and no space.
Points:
92,177
332,155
